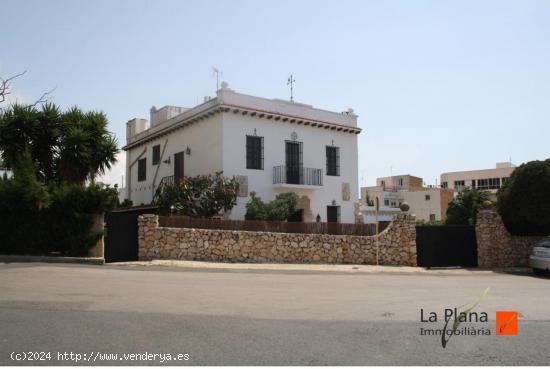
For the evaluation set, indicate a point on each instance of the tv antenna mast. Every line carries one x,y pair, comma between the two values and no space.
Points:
218,73
290,82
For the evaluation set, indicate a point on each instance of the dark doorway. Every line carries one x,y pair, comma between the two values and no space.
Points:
333,218
444,246
293,162
297,216
178,166
332,213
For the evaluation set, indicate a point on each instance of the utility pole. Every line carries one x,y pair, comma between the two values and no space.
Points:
290,82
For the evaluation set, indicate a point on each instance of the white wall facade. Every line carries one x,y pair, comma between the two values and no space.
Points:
217,141
205,141
314,141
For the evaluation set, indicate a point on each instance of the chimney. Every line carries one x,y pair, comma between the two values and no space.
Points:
134,127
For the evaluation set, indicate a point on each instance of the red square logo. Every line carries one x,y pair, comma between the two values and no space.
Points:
507,323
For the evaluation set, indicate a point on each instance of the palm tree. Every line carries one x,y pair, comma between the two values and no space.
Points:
17,131
87,147
65,147
47,133
103,145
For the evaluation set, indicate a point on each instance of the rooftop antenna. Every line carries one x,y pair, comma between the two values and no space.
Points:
218,73
290,82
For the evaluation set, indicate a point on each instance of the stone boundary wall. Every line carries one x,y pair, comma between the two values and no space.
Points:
396,245
496,247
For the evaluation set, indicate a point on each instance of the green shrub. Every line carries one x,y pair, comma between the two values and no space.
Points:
94,199
200,196
280,209
523,201
21,227
59,220
71,215
21,198
464,207
127,203
256,209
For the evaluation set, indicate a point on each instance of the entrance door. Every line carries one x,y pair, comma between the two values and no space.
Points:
332,219
178,166
332,214
293,162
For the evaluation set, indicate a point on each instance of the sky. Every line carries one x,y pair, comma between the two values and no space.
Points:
438,86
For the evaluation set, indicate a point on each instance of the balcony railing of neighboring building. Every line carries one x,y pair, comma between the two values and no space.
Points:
297,175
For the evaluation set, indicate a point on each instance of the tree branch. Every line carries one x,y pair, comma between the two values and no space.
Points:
5,86
44,98
5,90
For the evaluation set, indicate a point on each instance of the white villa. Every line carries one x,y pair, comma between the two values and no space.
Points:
270,145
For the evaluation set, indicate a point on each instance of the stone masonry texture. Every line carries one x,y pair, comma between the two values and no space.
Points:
396,245
496,247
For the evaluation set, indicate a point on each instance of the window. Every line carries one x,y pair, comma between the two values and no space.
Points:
142,167
401,182
444,185
427,197
254,152
386,202
459,185
488,183
156,154
333,161
432,217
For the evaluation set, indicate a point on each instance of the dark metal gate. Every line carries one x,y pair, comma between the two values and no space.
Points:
447,245
121,238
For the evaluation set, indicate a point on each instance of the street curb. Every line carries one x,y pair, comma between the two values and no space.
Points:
50,259
338,268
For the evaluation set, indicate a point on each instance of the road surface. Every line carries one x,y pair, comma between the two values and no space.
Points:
238,317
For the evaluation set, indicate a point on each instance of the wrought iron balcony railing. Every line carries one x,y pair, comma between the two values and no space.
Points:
283,174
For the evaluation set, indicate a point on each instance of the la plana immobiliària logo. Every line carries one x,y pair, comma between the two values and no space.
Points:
507,323
453,319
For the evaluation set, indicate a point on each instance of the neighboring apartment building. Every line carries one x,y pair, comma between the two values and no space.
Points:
484,179
427,203
270,146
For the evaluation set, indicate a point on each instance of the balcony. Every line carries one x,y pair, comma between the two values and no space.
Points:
299,177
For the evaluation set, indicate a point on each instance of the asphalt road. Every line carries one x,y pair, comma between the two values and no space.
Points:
261,317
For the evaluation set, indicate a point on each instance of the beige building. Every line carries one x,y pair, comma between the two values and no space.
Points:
427,203
483,179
